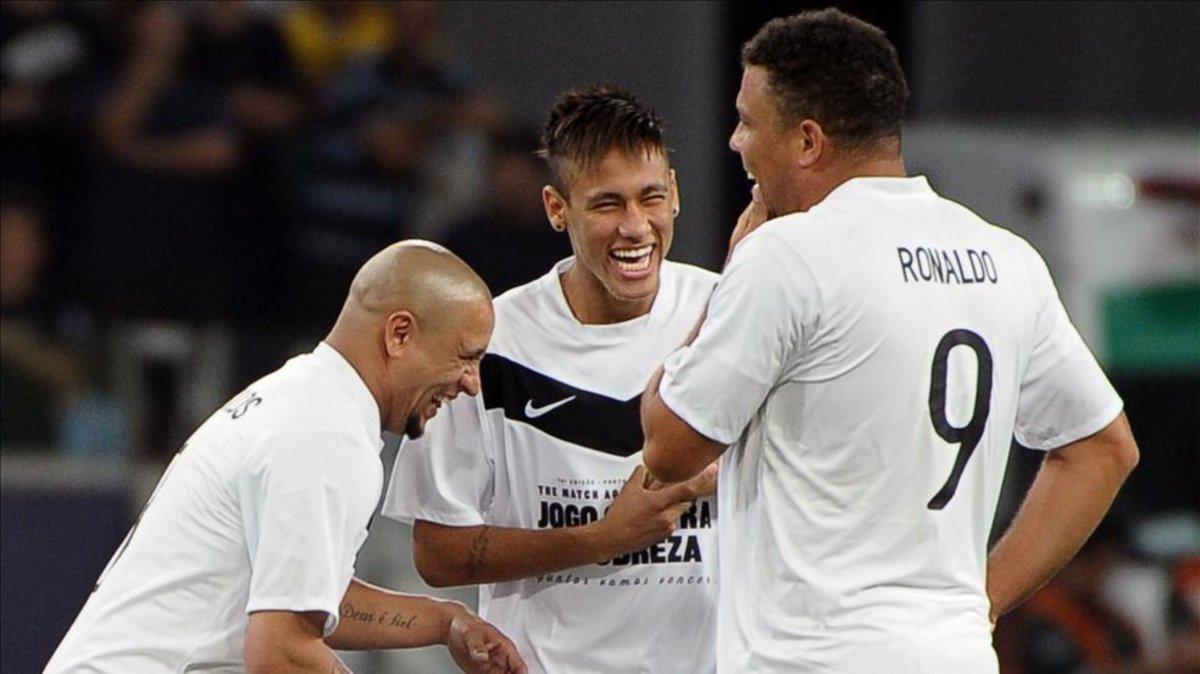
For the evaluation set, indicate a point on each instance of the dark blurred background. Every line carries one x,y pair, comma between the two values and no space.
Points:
188,187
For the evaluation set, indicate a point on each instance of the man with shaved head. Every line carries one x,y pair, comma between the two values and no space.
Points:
243,558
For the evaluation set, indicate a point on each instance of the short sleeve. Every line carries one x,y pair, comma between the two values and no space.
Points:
1065,396
306,499
750,338
445,476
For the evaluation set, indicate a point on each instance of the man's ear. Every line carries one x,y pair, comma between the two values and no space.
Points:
399,329
556,208
674,193
809,143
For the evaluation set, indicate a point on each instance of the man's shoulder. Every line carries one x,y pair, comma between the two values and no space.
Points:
296,401
527,296
690,274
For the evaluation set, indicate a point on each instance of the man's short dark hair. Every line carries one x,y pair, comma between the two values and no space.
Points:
586,123
832,67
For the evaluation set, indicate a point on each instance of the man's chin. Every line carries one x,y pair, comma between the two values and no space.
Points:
635,291
415,427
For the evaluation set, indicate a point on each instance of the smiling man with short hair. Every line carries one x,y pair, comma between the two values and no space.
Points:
526,488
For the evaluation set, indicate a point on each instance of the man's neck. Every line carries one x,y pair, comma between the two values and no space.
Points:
875,166
592,304
361,362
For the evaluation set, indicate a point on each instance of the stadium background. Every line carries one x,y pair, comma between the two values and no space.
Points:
188,188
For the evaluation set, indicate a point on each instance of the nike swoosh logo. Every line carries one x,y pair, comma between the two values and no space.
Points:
532,412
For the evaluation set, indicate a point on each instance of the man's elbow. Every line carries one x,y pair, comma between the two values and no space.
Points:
432,560
661,465
1122,448
1111,449
1127,456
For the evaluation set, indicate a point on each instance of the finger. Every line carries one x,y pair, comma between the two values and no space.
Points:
709,473
513,661
480,655
679,492
640,477
756,194
705,482
478,644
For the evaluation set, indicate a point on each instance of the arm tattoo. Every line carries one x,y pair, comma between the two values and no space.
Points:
385,618
477,553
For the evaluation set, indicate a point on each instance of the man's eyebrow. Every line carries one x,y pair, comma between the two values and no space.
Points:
654,187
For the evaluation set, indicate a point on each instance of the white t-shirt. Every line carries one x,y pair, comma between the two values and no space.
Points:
552,438
852,353
264,508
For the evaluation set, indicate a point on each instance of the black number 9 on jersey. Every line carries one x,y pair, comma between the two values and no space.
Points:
967,437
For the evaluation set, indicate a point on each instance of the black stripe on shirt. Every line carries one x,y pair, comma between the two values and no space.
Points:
590,420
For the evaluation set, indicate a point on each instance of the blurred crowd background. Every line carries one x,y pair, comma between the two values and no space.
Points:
188,187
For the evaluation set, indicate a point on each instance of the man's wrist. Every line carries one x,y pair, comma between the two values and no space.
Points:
594,538
450,610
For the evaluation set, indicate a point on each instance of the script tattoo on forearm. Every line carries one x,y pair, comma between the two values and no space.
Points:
396,619
477,553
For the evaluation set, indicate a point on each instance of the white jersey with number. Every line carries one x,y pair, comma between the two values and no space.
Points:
263,509
550,441
872,359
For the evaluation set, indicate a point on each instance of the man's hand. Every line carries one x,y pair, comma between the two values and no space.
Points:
479,648
641,516
755,214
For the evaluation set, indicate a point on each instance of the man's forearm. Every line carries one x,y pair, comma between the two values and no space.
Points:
1070,495
449,556
374,618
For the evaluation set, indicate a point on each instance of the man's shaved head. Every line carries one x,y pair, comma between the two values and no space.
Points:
419,276
415,326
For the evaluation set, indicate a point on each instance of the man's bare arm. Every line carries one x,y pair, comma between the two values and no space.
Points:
373,618
639,517
286,641
1070,495
673,450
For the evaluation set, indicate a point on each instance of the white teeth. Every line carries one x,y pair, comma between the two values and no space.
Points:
633,253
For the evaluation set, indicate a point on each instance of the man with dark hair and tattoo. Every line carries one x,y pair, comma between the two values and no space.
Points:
243,559
866,360
526,488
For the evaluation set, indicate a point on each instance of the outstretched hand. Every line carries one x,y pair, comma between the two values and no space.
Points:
643,514
479,648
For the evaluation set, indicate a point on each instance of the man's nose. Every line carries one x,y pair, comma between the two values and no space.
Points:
470,382
635,224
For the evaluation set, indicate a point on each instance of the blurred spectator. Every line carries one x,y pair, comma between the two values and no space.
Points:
1070,626
389,137
50,56
48,52
1185,614
244,57
510,219
324,36
360,186
155,207
36,374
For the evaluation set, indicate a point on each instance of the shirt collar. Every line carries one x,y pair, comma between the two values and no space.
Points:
887,186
